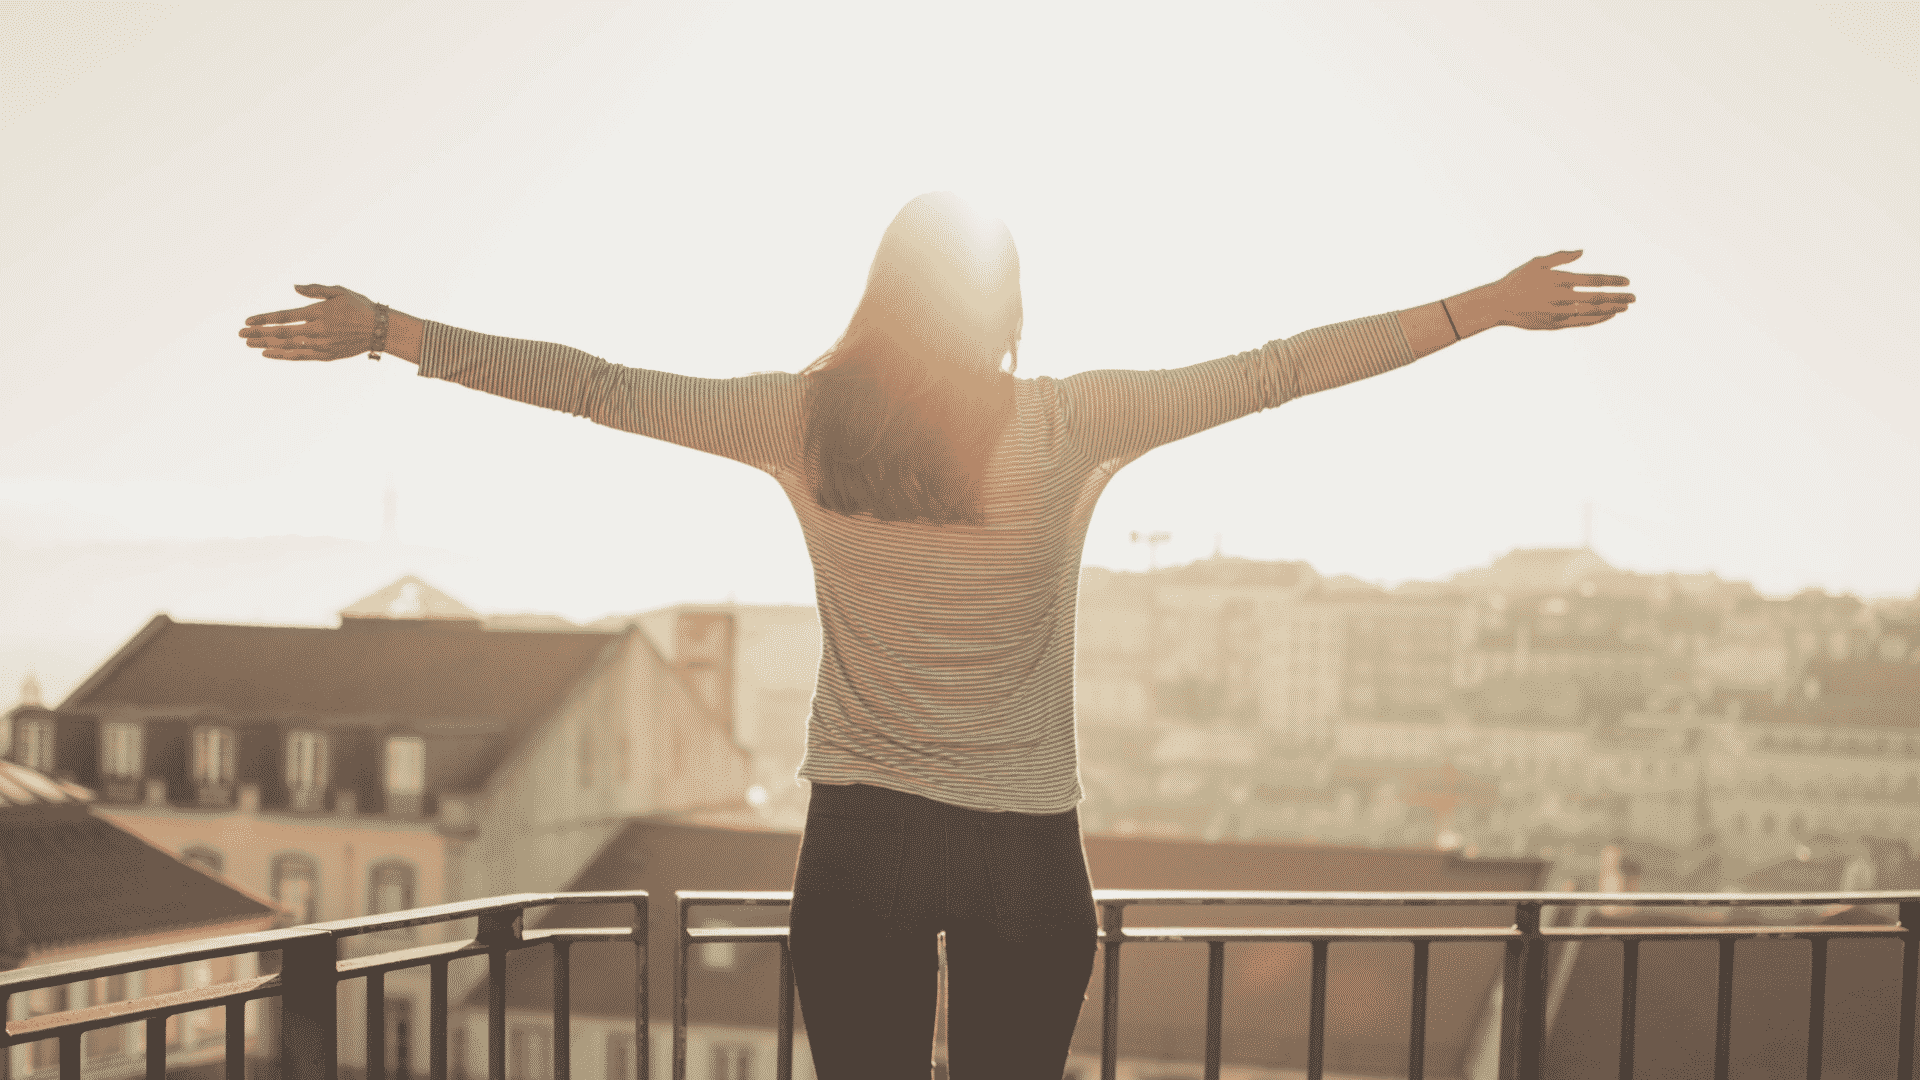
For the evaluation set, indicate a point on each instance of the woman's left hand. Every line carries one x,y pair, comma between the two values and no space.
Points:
1537,297
339,326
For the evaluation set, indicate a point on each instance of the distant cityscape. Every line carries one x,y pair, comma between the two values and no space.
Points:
1680,728
1547,721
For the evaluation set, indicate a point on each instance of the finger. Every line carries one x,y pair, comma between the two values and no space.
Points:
287,316
304,331
300,354
1558,257
326,342
1583,320
325,291
1602,280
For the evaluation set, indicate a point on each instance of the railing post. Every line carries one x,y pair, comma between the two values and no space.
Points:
1909,975
498,931
680,990
1216,995
437,1022
376,1009
1112,919
1532,1005
309,1017
642,981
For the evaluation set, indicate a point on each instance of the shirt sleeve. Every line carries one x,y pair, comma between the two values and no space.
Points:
1117,415
754,419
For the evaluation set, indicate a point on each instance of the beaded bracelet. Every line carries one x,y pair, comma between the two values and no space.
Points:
379,330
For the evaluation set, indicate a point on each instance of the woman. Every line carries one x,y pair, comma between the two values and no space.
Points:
944,504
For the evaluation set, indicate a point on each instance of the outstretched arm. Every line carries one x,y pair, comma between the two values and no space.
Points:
752,419
1118,415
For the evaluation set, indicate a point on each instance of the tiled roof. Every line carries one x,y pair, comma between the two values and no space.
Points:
411,669
1164,996
69,877
22,787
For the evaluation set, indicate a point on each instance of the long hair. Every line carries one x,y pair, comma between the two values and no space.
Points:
904,410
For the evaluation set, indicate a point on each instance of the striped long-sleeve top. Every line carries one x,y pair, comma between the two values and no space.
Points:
946,667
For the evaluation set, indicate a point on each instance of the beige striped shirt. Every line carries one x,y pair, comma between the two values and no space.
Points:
946,666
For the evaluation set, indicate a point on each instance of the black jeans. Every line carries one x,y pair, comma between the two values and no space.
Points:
881,874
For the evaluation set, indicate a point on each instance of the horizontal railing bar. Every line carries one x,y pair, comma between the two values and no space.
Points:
730,934
1318,933
750,934
1410,899
95,967
468,909
115,1013
1621,933
578,933
690,897
1421,899
381,963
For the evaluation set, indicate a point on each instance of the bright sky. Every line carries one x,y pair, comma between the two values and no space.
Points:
699,188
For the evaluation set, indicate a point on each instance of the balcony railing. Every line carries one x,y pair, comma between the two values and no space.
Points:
311,969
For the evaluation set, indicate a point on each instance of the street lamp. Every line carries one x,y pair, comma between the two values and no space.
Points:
1153,542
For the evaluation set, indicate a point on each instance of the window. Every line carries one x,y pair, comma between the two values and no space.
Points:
731,1061
36,748
213,755
45,1054
120,751
296,885
406,765
389,887
399,1012
528,1055
106,1043
306,769
720,955
620,1056
204,858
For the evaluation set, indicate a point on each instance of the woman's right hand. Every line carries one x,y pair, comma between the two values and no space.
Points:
339,326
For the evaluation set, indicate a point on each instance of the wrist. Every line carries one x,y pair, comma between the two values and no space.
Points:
1476,310
404,334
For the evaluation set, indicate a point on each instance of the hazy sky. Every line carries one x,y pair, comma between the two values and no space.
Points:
699,188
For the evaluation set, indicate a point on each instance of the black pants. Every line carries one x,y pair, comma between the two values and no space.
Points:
881,874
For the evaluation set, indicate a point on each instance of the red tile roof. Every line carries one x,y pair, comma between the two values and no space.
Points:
68,877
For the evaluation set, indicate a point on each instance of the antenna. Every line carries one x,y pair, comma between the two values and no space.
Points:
1153,542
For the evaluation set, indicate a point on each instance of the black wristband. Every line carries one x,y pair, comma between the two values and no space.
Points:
379,330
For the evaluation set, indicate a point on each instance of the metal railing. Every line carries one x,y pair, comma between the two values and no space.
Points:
1523,984
311,969
310,973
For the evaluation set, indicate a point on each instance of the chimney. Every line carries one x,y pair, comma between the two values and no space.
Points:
703,654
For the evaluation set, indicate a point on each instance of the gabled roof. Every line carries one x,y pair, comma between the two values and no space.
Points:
413,669
409,598
68,877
